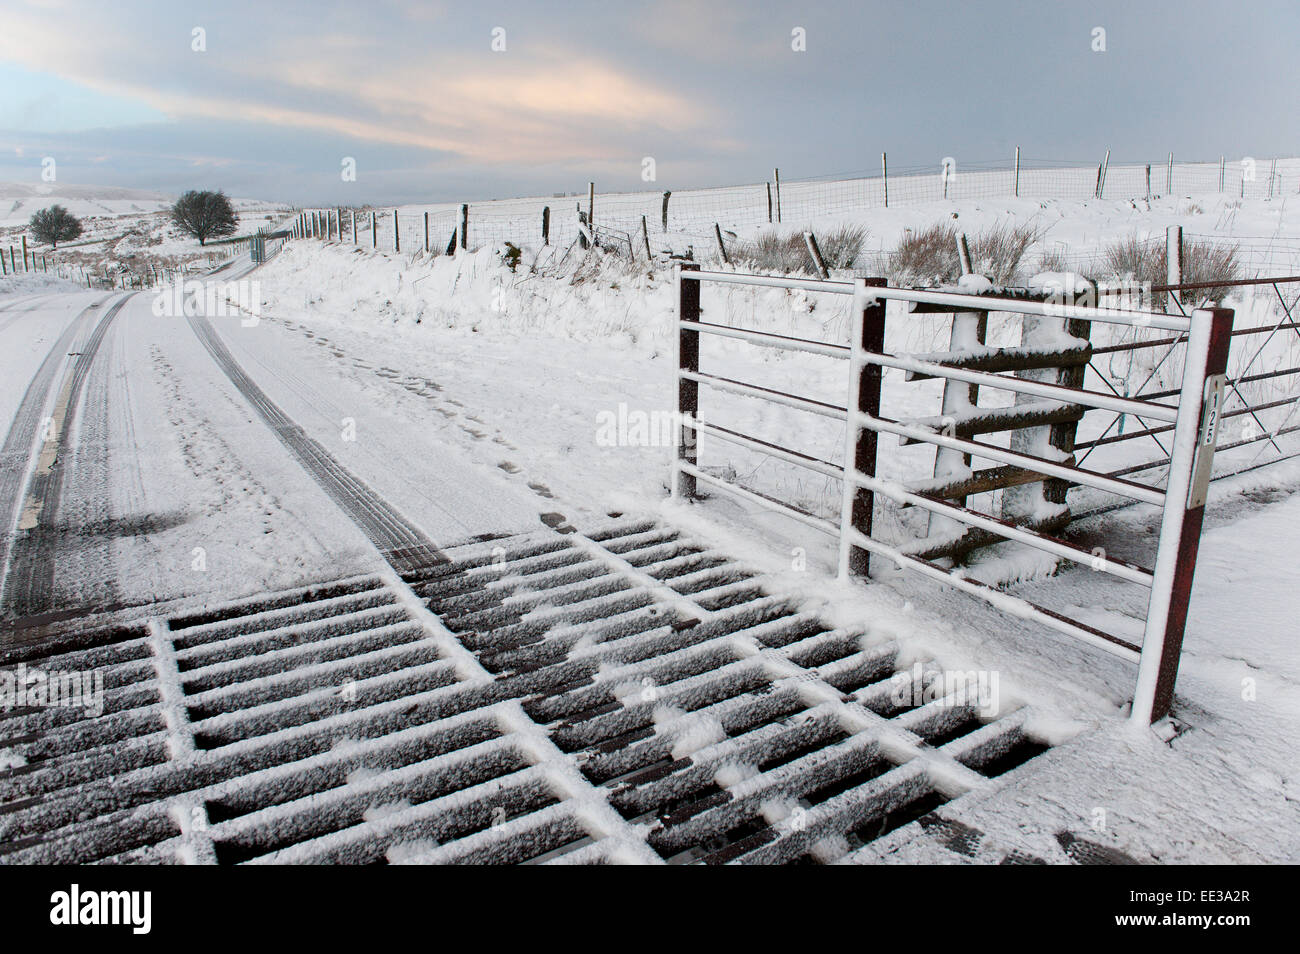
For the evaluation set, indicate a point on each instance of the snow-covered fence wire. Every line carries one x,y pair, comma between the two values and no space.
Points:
1262,383
677,217
1192,411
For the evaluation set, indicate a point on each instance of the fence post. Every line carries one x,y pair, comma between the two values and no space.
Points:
374,229
1101,176
352,213
1173,268
591,203
1221,158
665,212
1017,172
1169,177
722,249
815,253
776,177
4,266
688,391
426,231
464,226
397,232
769,202
1148,182
24,253
884,177
1190,462
546,224
868,335
963,254
645,240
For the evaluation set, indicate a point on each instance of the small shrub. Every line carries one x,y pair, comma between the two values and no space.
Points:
840,247
1145,262
773,252
997,251
930,255
510,255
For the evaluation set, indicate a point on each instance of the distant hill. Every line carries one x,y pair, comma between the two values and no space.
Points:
18,200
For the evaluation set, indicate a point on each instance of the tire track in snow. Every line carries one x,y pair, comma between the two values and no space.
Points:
400,542
29,580
15,455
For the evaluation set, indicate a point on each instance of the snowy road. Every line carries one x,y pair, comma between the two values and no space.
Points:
150,457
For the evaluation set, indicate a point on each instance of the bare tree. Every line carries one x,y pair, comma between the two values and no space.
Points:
54,225
205,215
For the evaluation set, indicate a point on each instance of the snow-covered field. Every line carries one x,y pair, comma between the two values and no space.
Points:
124,229
475,398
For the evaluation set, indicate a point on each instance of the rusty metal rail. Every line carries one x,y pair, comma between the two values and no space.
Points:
1194,420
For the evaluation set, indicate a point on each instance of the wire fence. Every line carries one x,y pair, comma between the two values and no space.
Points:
686,219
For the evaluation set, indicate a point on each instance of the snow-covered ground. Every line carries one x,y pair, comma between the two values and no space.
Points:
123,229
475,398
543,360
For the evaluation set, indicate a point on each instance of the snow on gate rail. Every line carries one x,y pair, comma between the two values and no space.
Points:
1194,420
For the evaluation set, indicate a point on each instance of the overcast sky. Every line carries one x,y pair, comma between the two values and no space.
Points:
414,91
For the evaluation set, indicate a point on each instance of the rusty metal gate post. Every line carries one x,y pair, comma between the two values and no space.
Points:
1200,405
860,443
688,390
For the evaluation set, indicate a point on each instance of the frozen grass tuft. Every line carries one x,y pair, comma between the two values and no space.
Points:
1145,262
782,254
929,257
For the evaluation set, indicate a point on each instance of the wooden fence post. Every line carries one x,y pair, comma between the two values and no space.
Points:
665,212
464,226
24,253
1169,178
397,232
769,202
884,177
1173,268
591,203
815,253
645,240
688,391
546,225
1221,165
722,249
1017,172
426,231
776,177
860,443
